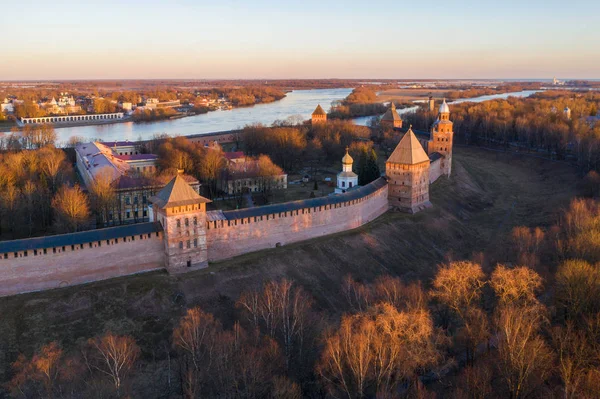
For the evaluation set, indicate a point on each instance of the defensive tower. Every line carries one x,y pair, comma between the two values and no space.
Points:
407,171
391,119
182,214
319,115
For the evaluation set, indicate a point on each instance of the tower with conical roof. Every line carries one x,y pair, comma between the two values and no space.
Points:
441,137
182,213
391,119
319,115
346,179
407,172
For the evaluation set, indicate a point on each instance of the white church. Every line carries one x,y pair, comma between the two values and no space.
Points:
346,179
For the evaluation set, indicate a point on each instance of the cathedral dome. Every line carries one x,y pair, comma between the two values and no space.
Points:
444,108
347,160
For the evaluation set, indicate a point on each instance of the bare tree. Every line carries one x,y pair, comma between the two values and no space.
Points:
578,288
114,357
283,310
458,285
517,286
524,359
574,358
71,205
195,336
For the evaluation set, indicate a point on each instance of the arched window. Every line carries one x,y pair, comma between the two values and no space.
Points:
178,223
187,222
195,220
180,244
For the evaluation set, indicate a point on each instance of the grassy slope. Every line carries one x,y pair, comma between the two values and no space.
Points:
488,194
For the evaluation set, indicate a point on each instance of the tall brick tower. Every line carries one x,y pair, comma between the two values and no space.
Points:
319,115
440,139
182,214
407,171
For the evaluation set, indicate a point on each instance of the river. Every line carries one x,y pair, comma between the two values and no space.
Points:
297,102
525,93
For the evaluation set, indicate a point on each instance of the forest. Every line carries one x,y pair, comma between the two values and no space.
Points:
535,124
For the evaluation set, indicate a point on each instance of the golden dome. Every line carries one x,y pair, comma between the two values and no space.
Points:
347,160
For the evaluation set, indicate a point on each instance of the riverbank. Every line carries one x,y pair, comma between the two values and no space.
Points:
298,104
69,124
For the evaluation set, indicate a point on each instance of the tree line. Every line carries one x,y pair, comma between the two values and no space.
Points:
536,124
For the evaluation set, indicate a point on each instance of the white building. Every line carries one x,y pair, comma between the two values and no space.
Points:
6,106
346,179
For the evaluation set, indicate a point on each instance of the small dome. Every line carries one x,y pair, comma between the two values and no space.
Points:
444,108
347,160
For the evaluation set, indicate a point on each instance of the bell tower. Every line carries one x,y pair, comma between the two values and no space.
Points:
182,213
441,137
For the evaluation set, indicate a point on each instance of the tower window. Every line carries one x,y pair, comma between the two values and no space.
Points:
178,223
180,244
187,222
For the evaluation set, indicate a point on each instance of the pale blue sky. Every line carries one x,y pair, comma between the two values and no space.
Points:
304,39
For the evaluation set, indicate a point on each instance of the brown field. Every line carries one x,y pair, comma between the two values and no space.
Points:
411,94
488,194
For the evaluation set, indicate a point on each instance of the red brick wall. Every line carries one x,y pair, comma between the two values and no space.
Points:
82,265
232,238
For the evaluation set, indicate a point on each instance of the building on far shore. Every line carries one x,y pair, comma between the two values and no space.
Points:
346,179
152,103
318,115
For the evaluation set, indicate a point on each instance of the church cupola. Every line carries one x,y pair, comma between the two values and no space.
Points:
444,112
347,162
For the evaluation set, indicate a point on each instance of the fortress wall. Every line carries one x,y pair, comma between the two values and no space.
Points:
78,264
435,170
235,237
